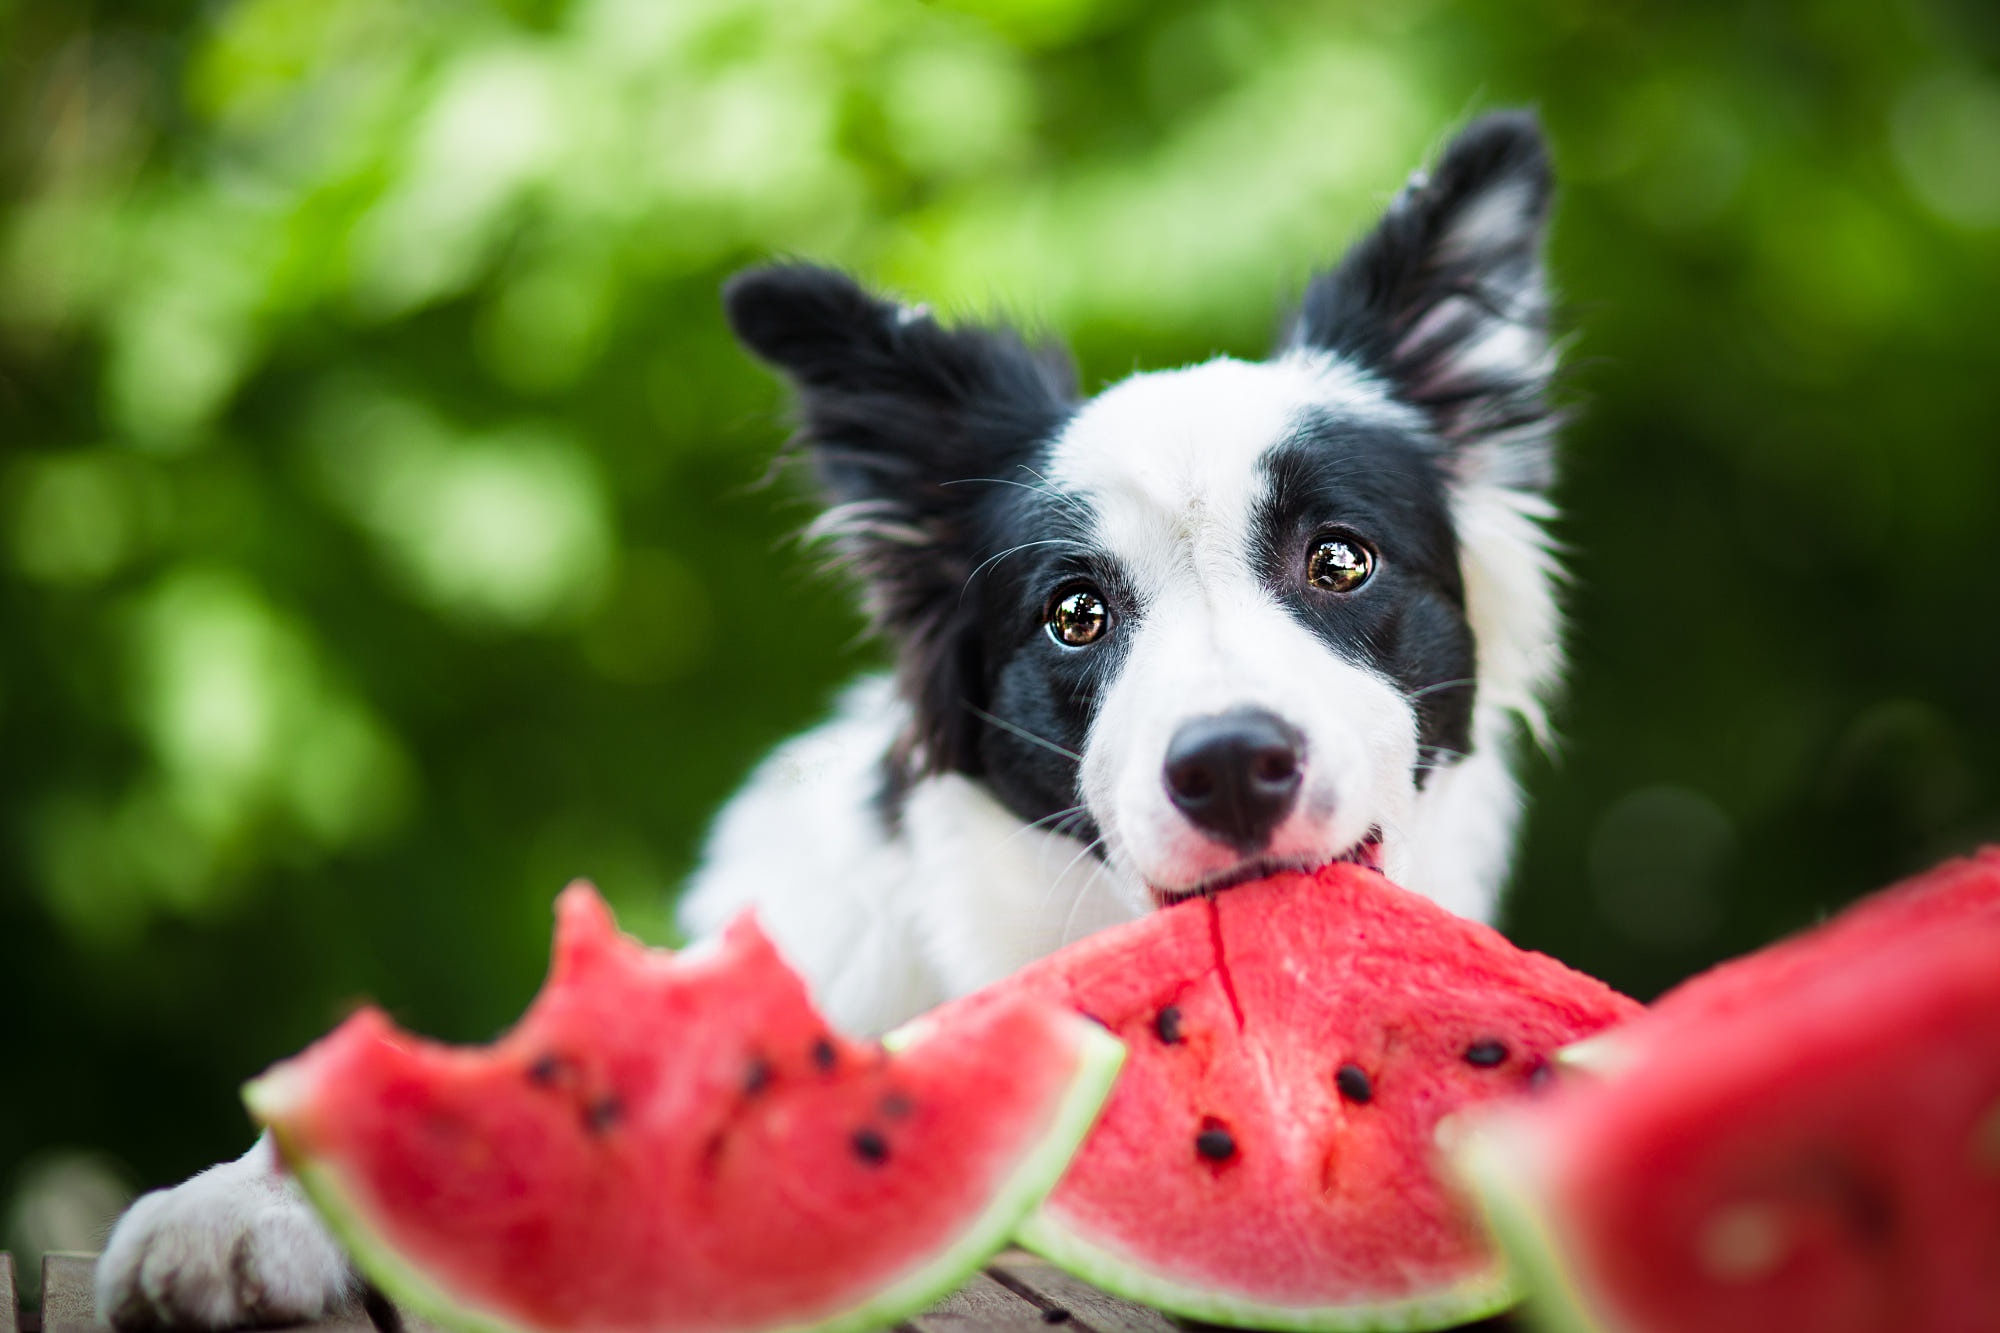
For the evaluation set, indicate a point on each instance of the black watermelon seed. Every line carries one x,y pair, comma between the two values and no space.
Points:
1486,1053
757,1077
897,1105
1055,1314
545,1071
1352,1080
602,1114
1215,1143
1168,1025
871,1147
824,1056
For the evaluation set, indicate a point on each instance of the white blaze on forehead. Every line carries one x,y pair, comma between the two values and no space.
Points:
1170,460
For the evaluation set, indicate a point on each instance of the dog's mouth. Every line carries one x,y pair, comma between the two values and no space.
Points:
1366,853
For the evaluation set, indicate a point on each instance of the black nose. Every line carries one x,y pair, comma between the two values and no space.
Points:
1235,775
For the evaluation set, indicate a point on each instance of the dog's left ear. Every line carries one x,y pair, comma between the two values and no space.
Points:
1447,300
902,419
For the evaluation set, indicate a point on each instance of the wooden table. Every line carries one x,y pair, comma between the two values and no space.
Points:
1018,1293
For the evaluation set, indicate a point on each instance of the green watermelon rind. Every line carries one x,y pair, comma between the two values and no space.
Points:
1497,1169
1600,1055
1099,1055
1475,1297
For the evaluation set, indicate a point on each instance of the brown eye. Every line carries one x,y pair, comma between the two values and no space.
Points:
1339,564
1077,617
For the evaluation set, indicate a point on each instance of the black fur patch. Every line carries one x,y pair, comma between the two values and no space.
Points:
1446,302
915,431
1342,477
1041,695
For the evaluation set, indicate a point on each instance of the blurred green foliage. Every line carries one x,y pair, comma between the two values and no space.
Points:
380,542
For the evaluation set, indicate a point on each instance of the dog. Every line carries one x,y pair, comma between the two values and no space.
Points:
1209,623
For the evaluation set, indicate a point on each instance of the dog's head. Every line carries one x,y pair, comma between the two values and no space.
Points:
1222,618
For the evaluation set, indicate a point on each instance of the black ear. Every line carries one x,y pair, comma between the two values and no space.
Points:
901,418
1447,299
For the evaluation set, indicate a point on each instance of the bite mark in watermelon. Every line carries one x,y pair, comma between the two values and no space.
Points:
1806,1138
1267,1156
680,1143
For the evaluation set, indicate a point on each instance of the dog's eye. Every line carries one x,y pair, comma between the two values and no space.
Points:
1339,564
1077,618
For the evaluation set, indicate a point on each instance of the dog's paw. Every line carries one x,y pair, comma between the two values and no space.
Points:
234,1247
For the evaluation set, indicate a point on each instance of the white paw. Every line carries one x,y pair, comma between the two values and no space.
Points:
232,1247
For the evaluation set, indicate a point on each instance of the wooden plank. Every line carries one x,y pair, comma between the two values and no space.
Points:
1096,1311
69,1306
981,1306
1091,1310
67,1303
9,1300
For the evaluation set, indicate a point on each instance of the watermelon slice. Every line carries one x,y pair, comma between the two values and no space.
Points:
1266,1159
1954,896
681,1143
1807,1138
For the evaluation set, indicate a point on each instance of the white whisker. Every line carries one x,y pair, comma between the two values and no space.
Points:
1076,902
995,559
1024,733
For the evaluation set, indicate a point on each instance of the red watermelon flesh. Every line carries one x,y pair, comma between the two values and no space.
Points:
1827,1159
1958,895
681,1143
1266,1158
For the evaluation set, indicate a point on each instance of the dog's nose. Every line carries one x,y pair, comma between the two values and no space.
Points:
1235,775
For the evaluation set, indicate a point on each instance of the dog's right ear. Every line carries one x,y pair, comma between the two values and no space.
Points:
1447,299
899,415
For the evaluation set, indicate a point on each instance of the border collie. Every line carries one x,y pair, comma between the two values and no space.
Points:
1209,623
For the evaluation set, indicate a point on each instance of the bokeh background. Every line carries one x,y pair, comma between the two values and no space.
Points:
381,541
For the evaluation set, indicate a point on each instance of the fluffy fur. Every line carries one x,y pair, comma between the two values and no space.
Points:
1002,792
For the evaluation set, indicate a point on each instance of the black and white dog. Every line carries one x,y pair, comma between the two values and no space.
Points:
1210,622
